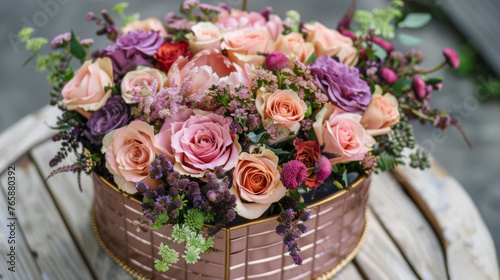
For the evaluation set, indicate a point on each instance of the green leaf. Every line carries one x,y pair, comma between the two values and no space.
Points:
379,52
311,59
415,20
255,137
75,48
309,110
344,178
277,151
29,59
370,54
338,185
398,86
408,40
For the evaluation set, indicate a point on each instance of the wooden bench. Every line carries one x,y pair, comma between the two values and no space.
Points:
423,225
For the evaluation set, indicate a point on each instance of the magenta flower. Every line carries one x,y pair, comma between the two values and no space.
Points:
323,169
276,61
451,58
388,75
419,87
388,47
293,174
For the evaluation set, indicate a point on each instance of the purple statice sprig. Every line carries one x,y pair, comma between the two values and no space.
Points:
154,104
291,227
238,103
171,202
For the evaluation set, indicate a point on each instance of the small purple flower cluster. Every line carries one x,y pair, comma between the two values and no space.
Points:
291,227
154,104
211,197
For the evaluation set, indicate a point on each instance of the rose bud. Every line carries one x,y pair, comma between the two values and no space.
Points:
451,58
383,43
419,87
349,34
276,61
388,75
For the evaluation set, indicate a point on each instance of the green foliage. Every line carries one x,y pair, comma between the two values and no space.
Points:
381,21
120,10
409,40
386,162
415,20
76,49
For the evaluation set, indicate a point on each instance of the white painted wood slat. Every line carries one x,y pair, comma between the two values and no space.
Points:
407,226
46,234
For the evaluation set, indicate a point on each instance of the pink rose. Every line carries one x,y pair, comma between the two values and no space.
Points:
136,78
237,20
85,91
330,42
242,46
256,183
201,143
129,154
206,68
282,107
342,134
381,113
149,24
294,47
205,36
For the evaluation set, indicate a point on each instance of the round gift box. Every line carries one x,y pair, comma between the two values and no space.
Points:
250,250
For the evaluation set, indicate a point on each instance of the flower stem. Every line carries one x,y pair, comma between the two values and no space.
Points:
417,113
278,73
244,6
431,70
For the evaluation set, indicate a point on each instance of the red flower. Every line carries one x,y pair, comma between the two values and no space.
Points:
308,153
169,52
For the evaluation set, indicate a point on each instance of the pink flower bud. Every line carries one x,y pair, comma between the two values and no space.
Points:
451,57
323,169
388,75
276,61
383,43
419,87
349,34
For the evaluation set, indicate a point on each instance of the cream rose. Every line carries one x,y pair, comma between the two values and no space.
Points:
282,107
256,182
149,24
341,134
85,91
381,113
205,36
294,47
330,42
129,153
242,46
135,78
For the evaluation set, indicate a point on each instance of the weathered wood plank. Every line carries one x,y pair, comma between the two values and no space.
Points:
350,272
408,227
470,250
379,257
24,134
75,209
46,234
25,264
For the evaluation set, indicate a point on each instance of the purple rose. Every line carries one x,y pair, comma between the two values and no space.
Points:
123,63
113,115
342,84
137,42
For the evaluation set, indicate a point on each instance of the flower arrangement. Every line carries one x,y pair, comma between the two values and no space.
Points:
220,115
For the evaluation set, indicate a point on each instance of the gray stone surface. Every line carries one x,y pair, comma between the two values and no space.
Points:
23,90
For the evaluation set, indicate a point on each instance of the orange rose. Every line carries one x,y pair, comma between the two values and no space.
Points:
283,107
256,183
294,47
381,113
330,42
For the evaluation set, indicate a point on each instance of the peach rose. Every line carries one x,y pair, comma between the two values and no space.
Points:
137,77
330,42
237,20
256,182
85,91
294,47
342,134
205,36
201,143
381,113
242,46
129,153
149,24
283,107
206,68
